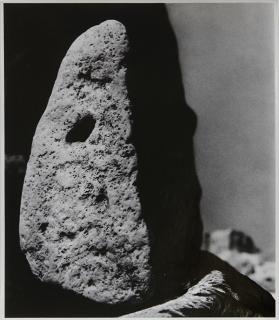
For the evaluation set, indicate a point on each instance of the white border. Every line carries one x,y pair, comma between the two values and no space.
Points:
2,161
2,143
276,112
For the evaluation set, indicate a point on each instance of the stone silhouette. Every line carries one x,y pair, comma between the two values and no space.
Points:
81,224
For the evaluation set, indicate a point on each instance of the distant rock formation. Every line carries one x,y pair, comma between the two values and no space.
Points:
239,250
228,239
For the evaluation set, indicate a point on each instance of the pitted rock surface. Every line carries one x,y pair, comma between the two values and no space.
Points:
81,223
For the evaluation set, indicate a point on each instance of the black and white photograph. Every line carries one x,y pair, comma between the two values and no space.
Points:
139,159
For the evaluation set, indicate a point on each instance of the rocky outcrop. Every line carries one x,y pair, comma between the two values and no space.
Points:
220,289
81,224
228,239
240,251
202,298
216,290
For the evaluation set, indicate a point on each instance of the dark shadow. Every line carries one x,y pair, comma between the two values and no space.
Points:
81,130
163,129
37,37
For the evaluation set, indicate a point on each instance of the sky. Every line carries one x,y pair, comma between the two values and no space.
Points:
227,61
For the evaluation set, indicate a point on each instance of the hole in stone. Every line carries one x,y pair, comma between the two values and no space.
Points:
81,130
43,226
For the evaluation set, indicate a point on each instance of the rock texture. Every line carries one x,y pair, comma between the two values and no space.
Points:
239,250
81,224
216,289
201,299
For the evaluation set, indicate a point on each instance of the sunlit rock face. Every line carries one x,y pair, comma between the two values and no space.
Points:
81,221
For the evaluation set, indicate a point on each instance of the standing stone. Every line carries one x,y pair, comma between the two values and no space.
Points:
81,224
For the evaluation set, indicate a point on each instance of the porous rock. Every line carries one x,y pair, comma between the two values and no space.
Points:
81,224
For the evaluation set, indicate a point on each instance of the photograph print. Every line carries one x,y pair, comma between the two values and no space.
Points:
139,159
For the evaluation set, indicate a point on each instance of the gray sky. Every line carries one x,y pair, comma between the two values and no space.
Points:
227,61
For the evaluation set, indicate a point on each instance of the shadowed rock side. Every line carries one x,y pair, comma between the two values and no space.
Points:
163,129
81,223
